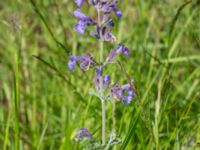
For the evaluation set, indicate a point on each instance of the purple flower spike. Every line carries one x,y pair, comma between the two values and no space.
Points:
107,7
79,2
83,133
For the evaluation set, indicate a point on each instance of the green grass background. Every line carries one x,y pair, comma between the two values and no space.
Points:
42,103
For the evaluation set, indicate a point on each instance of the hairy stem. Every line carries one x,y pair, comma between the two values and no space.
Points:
101,85
113,116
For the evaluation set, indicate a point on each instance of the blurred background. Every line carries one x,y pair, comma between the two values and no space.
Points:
42,103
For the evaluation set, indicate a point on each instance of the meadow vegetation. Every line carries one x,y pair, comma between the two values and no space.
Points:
42,103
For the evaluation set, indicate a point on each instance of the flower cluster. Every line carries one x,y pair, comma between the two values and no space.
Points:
83,133
117,50
102,31
124,93
96,80
86,61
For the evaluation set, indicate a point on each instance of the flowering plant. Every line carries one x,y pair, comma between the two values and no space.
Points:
103,27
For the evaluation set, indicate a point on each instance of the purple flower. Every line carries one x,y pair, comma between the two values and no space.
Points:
80,15
86,61
106,17
117,50
116,92
79,2
124,93
107,7
110,23
106,32
97,33
128,94
80,27
118,13
107,35
93,2
84,21
72,62
96,80
83,133
111,56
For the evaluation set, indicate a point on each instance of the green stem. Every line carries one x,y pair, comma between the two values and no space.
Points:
113,116
101,85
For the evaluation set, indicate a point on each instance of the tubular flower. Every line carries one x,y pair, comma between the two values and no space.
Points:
86,61
117,50
123,93
79,2
106,7
96,79
83,133
83,21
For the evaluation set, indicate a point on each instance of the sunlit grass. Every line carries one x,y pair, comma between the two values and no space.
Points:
42,103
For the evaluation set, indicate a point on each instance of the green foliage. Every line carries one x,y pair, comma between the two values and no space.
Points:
42,103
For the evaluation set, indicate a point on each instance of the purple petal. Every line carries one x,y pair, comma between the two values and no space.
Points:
75,58
128,99
93,2
126,87
125,51
86,61
79,2
98,71
80,15
119,48
122,49
94,34
84,65
110,23
84,133
111,56
71,65
80,27
108,36
106,16
131,93
96,81
118,13
106,81
116,92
